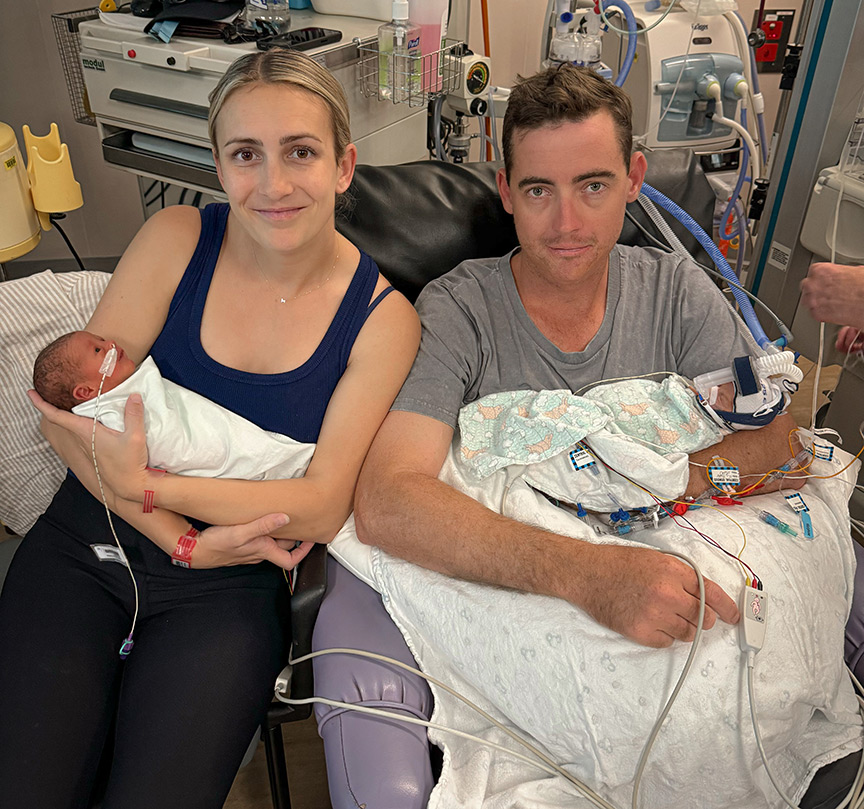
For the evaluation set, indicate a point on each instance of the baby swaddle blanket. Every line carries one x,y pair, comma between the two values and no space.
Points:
188,434
641,427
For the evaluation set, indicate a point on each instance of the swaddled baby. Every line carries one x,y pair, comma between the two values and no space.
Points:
186,433
620,442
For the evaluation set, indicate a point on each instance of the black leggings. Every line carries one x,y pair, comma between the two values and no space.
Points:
184,704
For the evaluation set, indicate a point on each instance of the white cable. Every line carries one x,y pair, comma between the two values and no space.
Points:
755,158
643,758
596,799
625,31
108,513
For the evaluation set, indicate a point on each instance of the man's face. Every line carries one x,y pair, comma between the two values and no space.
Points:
567,191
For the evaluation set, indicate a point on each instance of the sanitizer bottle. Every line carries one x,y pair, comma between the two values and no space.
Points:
399,57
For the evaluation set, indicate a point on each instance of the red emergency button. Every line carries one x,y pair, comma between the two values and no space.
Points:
131,54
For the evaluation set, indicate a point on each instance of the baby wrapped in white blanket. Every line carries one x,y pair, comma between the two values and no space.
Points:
188,434
590,697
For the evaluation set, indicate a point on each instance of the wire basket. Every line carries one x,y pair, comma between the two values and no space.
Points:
411,80
69,45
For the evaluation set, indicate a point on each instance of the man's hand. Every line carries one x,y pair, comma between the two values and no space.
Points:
648,596
834,293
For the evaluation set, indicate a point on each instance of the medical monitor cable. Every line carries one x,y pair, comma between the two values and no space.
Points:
106,369
548,764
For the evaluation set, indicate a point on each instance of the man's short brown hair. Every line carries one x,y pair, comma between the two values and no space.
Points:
561,94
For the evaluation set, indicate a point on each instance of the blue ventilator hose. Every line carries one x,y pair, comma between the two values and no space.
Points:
717,257
745,158
631,39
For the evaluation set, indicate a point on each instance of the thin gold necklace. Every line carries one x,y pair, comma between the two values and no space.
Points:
279,297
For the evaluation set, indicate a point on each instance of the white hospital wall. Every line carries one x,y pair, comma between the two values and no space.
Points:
34,92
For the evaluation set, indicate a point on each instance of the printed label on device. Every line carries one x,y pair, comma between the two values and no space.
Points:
797,502
580,458
807,525
724,475
824,452
108,553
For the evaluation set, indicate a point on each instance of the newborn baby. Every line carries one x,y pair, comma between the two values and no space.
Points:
186,433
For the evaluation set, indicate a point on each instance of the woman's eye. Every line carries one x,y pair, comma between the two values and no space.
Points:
244,155
303,152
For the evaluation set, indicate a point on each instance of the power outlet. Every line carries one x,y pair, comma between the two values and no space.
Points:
777,26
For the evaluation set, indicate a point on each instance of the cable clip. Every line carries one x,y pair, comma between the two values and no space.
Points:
127,646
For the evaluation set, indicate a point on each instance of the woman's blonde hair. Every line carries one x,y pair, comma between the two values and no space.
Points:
283,66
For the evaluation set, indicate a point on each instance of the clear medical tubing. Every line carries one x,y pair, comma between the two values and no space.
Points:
745,160
631,38
754,87
718,258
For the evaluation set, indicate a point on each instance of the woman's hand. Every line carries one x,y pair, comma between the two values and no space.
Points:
225,545
122,457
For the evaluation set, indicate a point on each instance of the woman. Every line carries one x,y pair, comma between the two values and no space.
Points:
263,307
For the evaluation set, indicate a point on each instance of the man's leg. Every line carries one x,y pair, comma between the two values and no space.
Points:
372,762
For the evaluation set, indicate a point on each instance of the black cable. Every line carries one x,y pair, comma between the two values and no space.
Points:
182,196
54,217
196,200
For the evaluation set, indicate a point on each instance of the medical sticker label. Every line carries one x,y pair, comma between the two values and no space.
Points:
108,553
824,452
807,525
797,502
724,475
11,163
779,256
580,458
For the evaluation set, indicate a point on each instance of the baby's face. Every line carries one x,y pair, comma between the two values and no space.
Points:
86,354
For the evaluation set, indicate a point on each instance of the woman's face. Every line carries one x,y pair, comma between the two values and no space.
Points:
277,163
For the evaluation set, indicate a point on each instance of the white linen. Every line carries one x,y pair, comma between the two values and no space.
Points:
589,697
188,434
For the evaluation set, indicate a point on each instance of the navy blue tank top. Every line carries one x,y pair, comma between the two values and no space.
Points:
291,403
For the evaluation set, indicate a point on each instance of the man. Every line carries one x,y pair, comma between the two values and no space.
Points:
566,309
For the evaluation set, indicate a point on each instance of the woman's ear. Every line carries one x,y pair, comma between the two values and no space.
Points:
347,164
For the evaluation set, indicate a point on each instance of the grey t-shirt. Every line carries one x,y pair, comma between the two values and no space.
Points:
662,314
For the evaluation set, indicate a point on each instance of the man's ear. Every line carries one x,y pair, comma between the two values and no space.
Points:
504,190
636,175
83,392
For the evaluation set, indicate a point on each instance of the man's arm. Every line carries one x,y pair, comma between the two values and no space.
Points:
402,507
754,452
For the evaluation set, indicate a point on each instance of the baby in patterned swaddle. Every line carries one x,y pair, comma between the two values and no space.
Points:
570,446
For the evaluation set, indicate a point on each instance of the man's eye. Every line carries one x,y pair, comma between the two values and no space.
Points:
596,187
98,350
535,192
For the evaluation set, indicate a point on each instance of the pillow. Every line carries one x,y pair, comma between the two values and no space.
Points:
33,312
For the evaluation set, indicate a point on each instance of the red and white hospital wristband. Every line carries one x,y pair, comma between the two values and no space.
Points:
182,556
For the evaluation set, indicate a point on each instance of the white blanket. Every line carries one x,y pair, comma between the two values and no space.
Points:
589,697
188,434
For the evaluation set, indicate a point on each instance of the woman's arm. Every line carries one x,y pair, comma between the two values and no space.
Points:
135,304
317,503
217,546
